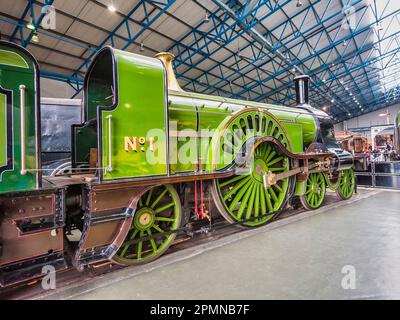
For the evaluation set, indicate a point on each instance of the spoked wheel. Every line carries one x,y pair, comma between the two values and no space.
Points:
315,191
347,184
243,198
159,211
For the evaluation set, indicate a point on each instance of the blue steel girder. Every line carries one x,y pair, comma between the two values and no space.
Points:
263,41
261,57
208,43
143,5
350,36
368,60
222,30
19,28
75,83
355,54
303,19
372,72
374,105
300,34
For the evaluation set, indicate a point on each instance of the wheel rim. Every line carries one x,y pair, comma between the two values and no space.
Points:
243,197
315,190
158,211
240,129
347,184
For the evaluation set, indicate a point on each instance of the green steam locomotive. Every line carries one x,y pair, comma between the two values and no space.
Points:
144,162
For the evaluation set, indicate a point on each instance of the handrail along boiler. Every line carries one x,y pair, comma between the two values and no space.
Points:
146,152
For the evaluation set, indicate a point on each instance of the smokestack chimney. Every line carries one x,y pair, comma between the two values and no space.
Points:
167,59
302,88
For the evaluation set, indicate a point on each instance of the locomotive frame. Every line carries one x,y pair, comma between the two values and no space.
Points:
256,158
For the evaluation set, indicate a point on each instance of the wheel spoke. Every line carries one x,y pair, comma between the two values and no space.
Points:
273,194
152,242
262,199
158,198
276,169
269,204
155,226
267,151
140,246
257,200
251,202
128,245
244,202
149,197
278,188
164,219
271,155
234,179
276,160
163,208
236,188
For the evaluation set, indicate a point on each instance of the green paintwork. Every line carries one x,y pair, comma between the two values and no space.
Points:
300,188
244,197
3,130
158,211
347,184
182,116
219,107
315,191
86,139
12,74
12,59
141,108
333,185
235,131
141,105
296,140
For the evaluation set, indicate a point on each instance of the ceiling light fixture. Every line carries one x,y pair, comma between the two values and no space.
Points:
206,19
30,25
379,27
299,4
111,8
142,47
35,37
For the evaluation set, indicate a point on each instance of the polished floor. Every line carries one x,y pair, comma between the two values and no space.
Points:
348,251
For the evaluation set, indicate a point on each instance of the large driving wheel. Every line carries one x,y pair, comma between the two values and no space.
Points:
158,212
315,191
243,198
347,184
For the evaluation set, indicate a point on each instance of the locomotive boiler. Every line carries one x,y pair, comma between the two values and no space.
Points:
143,160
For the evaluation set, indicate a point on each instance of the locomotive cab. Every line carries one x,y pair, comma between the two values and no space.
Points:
19,120
99,91
125,117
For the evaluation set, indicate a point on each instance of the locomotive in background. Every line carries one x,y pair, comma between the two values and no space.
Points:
143,160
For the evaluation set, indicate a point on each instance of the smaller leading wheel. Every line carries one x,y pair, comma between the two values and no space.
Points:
347,184
158,212
314,194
